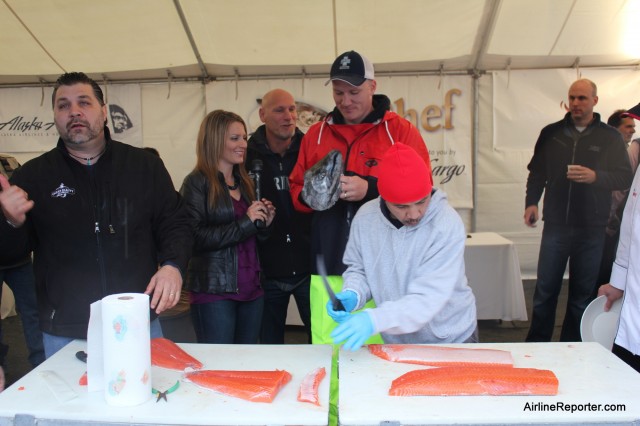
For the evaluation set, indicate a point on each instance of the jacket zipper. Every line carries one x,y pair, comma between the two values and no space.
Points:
96,216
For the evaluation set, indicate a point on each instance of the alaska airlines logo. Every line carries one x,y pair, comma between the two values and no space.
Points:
62,191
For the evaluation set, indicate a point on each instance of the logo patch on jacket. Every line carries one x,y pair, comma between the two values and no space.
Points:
594,148
62,191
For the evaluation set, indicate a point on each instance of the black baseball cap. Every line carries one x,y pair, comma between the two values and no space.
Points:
351,67
633,112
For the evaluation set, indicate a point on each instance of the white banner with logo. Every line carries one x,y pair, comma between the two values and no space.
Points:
440,107
26,120
124,111
26,117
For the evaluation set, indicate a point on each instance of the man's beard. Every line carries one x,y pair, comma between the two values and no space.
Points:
88,133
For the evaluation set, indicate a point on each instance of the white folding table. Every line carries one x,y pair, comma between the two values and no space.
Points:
493,271
30,401
591,381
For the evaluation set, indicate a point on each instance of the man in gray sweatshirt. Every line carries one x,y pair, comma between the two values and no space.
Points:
406,252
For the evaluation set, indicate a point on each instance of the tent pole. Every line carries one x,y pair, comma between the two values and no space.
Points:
474,144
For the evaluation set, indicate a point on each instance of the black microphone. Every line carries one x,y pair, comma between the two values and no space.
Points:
256,171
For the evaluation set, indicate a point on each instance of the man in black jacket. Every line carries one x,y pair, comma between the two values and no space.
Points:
577,162
99,215
285,256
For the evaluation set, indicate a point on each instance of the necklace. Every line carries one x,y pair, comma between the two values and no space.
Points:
88,159
235,185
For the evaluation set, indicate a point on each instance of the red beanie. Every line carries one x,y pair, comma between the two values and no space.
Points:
403,176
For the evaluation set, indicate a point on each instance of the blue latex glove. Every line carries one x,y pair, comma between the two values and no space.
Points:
349,300
354,331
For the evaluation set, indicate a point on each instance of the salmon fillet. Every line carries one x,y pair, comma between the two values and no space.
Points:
255,386
166,354
475,381
439,356
308,391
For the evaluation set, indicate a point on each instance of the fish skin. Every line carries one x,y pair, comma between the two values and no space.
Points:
254,386
459,381
166,354
440,356
308,391
321,188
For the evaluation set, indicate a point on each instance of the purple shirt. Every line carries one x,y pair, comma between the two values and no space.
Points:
248,267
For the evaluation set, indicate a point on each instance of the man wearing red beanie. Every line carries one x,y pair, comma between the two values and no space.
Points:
361,128
406,252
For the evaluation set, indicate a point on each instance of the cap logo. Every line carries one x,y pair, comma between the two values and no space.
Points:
344,63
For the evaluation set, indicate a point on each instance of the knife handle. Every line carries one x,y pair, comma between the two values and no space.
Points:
338,306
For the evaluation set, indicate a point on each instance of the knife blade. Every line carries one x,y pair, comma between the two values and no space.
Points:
322,270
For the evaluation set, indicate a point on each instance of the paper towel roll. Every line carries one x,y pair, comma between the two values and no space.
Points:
127,349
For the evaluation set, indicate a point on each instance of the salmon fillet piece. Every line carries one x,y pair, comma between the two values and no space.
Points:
308,391
440,356
475,381
166,354
254,386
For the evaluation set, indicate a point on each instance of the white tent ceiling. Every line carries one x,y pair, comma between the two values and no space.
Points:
125,40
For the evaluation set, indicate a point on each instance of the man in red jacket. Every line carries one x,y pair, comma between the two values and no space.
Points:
361,127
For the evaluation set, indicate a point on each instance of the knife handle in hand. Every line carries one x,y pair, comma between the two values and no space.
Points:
338,306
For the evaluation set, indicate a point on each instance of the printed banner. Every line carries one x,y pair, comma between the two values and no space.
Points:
26,117
26,120
124,111
440,107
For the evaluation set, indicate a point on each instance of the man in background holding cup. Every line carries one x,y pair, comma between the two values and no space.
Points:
577,162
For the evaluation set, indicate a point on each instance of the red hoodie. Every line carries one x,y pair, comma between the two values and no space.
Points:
362,147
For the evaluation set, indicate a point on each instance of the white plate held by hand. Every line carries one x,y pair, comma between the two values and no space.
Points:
598,325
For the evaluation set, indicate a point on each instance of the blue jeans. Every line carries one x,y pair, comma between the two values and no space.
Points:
53,344
22,283
276,303
228,321
582,247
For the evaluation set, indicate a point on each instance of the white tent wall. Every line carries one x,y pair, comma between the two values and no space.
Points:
171,117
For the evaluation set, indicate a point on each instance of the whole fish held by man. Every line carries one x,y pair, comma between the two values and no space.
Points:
322,182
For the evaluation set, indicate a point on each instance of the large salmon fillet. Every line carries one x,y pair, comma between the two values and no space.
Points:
255,386
475,381
438,356
166,354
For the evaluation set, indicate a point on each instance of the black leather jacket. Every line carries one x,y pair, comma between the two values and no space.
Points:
213,267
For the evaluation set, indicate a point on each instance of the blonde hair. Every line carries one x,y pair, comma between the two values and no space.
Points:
209,149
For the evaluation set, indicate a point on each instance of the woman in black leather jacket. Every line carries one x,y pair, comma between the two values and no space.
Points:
224,271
